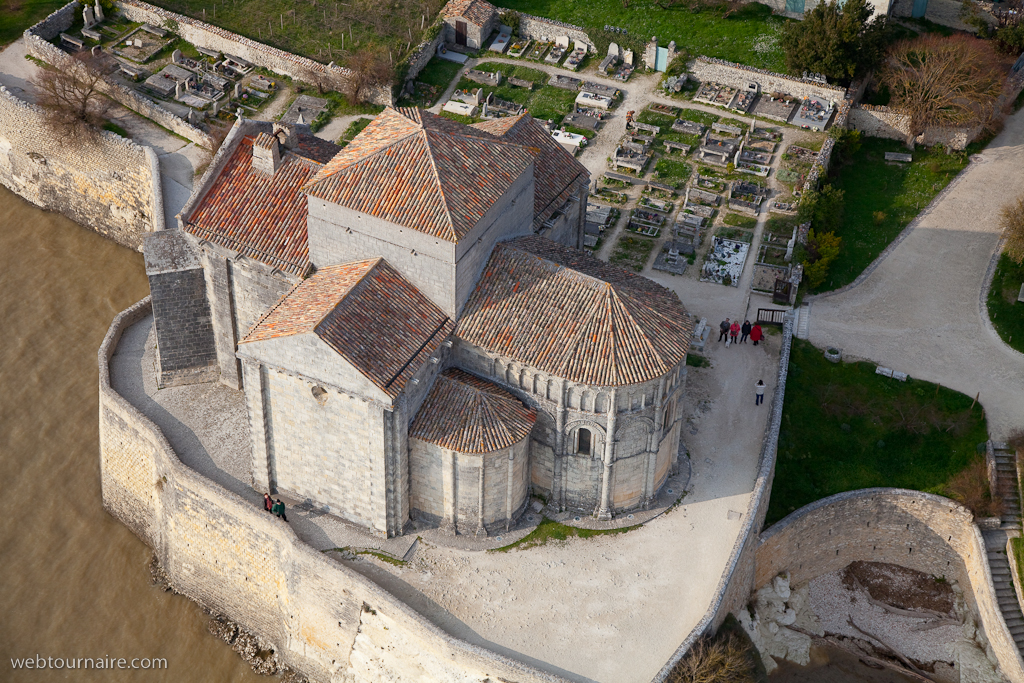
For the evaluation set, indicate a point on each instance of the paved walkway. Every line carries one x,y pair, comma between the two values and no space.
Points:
921,309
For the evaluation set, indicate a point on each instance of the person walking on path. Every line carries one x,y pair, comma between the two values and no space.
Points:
756,334
268,503
724,330
734,331
759,392
745,330
278,510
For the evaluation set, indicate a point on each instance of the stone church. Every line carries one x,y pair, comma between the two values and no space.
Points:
416,331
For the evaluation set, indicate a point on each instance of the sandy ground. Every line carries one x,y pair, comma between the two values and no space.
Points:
921,309
16,70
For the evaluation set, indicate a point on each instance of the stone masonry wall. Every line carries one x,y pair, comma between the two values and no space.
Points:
738,75
107,185
539,28
909,528
883,122
325,620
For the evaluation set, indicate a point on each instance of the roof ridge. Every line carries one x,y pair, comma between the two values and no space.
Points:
453,236
380,150
621,304
266,314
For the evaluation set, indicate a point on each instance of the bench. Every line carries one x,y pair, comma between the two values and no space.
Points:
208,52
898,156
95,35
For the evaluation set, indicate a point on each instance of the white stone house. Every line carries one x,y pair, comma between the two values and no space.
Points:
469,22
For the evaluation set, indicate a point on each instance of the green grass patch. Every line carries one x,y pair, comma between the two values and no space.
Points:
337,105
354,129
695,360
672,172
542,102
549,530
18,15
701,117
114,128
748,36
882,198
846,428
653,118
1005,312
632,251
465,120
736,234
740,221
316,30
1018,555
380,556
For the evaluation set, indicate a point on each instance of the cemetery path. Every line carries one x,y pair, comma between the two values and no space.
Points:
16,70
920,309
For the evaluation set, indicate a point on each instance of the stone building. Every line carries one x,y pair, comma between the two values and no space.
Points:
469,22
415,328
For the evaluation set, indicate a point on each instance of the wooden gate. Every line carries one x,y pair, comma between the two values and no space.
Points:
771,316
460,32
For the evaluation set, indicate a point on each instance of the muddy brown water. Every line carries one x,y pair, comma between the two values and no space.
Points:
73,581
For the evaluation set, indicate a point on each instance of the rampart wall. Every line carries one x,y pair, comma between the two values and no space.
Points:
539,28
883,122
739,75
917,530
37,43
110,184
322,618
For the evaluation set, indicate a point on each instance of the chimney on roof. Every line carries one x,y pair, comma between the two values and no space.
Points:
266,154
286,134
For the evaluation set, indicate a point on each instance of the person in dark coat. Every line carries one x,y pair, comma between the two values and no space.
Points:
746,331
723,330
279,510
734,331
268,503
756,334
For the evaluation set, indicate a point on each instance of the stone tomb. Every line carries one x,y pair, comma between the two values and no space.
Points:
140,45
305,106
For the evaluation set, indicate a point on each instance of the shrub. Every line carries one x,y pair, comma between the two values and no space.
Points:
879,217
971,489
822,250
721,660
1011,220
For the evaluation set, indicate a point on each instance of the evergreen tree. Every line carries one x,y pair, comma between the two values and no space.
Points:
837,40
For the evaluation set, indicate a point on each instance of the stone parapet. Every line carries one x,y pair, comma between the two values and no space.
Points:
918,530
322,618
109,184
739,75
539,28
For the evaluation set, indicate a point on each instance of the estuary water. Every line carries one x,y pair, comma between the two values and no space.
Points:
74,582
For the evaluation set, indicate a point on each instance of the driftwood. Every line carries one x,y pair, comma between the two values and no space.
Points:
920,613
887,645
864,657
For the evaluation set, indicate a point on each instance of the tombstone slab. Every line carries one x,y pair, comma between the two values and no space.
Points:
88,17
98,12
176,56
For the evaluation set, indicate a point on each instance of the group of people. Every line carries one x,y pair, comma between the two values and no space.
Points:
274,507
733,333
730,330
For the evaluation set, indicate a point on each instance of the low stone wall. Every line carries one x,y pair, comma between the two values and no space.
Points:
37,44
323,619
738,75
110,185
883,122
738,580
912,529
539,28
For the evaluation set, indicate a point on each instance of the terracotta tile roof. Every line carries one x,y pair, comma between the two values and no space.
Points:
368,313
264,140
467,414
421,171
567,313
477,11
312,147
260,216
557,173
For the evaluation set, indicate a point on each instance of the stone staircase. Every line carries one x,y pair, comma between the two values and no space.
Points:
802,321
995,546
1006,485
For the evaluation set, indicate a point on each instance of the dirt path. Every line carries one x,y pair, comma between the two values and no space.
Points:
921,309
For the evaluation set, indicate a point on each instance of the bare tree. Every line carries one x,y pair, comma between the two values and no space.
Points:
70,95
370,68
1011,220
944,81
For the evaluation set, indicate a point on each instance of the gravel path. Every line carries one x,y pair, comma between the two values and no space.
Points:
921,310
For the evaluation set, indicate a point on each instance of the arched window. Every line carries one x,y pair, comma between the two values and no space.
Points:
583,439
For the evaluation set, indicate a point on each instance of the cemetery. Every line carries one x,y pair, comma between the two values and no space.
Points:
724,261
505,92
747,197
674,257
814,113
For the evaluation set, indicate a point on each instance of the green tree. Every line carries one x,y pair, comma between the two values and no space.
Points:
822,208
822,250
836,40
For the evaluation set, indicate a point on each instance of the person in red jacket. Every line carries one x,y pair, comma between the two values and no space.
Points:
734,331
756,334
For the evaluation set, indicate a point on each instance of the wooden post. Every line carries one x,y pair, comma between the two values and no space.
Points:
976,400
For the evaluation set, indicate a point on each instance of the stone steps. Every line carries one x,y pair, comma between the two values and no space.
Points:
1006,596
803,321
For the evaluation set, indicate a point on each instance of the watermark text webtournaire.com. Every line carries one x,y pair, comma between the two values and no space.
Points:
40,662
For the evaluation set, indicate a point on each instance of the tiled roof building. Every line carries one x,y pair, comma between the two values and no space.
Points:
418,337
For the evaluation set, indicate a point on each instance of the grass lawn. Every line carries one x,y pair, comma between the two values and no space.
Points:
632,251
550,530
672,172
542,102
354,129
882,198
739,221
18,15
432,81
749,36
846,428
1006,313
316,30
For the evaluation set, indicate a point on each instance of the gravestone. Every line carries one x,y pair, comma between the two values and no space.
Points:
238,91
177,90
898,156
613,50
176,56
88,17
98,12
138,42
